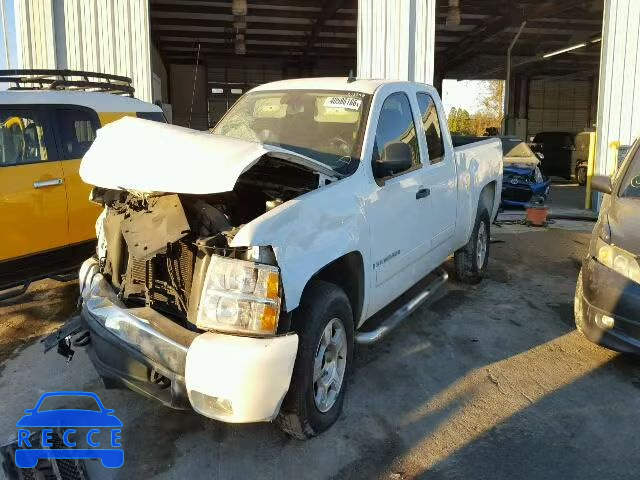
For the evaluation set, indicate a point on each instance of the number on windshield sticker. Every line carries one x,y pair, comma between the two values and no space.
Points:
349,103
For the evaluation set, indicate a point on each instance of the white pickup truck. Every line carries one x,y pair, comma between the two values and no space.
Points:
235,270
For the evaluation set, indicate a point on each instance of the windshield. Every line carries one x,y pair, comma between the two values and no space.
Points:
631,184
516,148
325,126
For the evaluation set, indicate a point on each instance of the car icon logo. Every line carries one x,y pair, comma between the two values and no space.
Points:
514,181
71,422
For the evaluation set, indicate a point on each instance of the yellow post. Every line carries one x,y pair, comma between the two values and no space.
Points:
591,166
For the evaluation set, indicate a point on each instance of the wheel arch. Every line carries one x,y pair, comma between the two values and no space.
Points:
347,273
488,198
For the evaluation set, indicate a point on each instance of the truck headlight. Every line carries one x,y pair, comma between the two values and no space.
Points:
240,297
618,260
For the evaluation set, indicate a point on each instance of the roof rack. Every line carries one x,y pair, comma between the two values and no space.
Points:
35,79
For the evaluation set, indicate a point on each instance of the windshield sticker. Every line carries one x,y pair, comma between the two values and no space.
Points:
349,103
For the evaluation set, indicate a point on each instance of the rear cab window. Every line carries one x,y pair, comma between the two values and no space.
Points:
431,127
76,128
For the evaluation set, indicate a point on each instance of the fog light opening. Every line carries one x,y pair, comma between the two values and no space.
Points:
605,321
208,404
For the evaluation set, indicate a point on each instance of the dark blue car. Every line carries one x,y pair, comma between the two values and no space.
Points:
522,181
67,419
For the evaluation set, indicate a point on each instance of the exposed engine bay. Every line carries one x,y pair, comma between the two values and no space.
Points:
155,247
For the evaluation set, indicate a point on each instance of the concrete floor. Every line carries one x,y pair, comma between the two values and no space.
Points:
490,382
566,194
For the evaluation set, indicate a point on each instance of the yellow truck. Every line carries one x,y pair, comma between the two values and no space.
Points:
48,121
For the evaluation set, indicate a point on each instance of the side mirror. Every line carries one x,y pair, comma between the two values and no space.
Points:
540,155
396,158
602,184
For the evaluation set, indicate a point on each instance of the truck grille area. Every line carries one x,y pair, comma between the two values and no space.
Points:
517,194
164,281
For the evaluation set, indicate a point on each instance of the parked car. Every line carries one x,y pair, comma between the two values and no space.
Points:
314,204
607,300
555,150
580,156
46,219
522,180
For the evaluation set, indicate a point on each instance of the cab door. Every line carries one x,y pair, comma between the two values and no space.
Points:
33,202
398,210
75,131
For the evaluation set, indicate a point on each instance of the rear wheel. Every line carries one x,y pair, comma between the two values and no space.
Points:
471,260
324,323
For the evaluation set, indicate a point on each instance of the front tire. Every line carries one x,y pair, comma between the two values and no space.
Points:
471,261
324,323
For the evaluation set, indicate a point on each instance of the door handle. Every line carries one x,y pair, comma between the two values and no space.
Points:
48,183
423,193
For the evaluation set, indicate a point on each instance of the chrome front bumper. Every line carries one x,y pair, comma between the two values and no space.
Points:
226,377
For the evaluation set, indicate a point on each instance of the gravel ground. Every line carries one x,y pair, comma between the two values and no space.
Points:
490,381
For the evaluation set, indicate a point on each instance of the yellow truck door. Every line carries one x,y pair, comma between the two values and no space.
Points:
76,129
33,201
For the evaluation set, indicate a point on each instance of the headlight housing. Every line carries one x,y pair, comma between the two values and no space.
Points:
240,297
618,260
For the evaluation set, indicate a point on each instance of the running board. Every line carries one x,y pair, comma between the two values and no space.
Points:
396,318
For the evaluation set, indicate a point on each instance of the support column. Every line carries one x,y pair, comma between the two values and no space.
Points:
618,122
94,35
396,39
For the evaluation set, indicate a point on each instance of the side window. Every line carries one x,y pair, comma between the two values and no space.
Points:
153,116
431,126
77,129
396,125
22,137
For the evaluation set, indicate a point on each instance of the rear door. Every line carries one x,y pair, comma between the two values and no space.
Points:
76,130
33,201
439,172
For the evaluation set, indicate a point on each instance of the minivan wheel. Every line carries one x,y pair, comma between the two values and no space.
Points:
471,260
324,323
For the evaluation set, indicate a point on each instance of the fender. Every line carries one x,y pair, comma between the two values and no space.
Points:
474,173
310,232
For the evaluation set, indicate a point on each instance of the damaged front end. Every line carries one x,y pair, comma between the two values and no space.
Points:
176,313
171,252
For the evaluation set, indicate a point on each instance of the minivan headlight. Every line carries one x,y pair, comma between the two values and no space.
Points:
618,260
240,297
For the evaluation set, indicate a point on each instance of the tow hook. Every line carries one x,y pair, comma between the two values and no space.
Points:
63,338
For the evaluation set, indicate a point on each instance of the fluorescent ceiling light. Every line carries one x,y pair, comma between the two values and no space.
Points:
564,50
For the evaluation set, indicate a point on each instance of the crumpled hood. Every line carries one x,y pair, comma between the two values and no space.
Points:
147,156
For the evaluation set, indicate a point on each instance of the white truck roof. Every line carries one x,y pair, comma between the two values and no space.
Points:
368,86
100,102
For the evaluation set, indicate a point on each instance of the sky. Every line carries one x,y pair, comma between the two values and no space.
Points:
11,37
466,94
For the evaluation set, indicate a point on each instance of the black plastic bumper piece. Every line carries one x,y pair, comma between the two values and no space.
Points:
152,367
606,292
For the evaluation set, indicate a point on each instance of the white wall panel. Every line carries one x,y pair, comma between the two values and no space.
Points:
559,105
619,97
396,39
108,36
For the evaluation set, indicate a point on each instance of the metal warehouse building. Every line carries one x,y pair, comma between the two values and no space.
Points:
571,64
